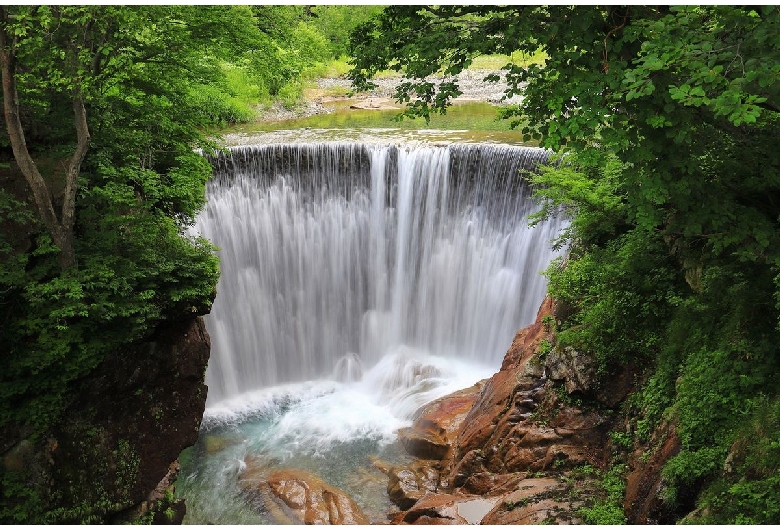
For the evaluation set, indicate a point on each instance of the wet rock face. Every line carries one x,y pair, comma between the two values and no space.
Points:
408,484
301,497
114,456
507,457
643,502
436,425
528,429
535,501
520,423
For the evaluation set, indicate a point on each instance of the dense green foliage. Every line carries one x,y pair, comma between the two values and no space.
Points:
670,118
139,188
294,45
609,509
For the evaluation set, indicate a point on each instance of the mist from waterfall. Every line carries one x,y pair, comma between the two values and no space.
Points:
335,256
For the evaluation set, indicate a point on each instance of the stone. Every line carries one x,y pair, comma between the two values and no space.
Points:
543,511
472,463
575,369
517,427
436,424
489,483
533,501
436,508
126,423
408,484
308,498
643,502
423,443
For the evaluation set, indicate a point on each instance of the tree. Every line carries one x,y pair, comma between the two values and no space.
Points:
336,22
107,89
13,42
81,54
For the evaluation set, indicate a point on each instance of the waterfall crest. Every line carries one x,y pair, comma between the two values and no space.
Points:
335,255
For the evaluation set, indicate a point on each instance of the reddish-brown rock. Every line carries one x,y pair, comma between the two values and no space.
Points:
408,484
543,511
436,425
643,503
518,424
308,498
440,509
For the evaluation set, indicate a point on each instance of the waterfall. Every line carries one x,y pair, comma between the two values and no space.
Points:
335,255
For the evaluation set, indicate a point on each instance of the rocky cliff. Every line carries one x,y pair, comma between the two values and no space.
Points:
113,459
530,445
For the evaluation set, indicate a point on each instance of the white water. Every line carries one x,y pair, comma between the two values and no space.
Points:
359,282
335,255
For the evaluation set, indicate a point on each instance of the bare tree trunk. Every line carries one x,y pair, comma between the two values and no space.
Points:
61,230
68,217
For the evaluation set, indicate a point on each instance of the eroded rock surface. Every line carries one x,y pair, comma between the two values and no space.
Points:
506,447
408,484
437,424
114,456
294,496
644,502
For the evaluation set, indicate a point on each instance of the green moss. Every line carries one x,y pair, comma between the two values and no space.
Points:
608,508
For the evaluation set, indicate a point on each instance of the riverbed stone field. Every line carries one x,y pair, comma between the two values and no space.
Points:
471,83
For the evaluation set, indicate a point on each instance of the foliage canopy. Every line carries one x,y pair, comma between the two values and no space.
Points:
134,195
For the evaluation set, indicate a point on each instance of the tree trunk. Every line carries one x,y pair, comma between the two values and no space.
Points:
61,230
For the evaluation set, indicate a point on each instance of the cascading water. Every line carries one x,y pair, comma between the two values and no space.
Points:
359,282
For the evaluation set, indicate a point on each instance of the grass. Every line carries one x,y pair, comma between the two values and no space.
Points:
496,62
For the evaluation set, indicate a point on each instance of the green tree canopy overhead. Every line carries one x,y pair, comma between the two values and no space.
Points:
688,96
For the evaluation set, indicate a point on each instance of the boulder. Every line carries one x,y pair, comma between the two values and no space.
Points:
519,423
113,456
576,370
425,443
436,424
408,484
308,499
437,508
538,500
643,502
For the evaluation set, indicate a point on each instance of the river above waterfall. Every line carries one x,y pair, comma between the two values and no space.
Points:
465,122
359,282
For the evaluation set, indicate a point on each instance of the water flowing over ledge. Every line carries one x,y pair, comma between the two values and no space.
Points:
336,255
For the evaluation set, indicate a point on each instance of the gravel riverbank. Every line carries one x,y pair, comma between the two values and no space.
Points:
471,83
